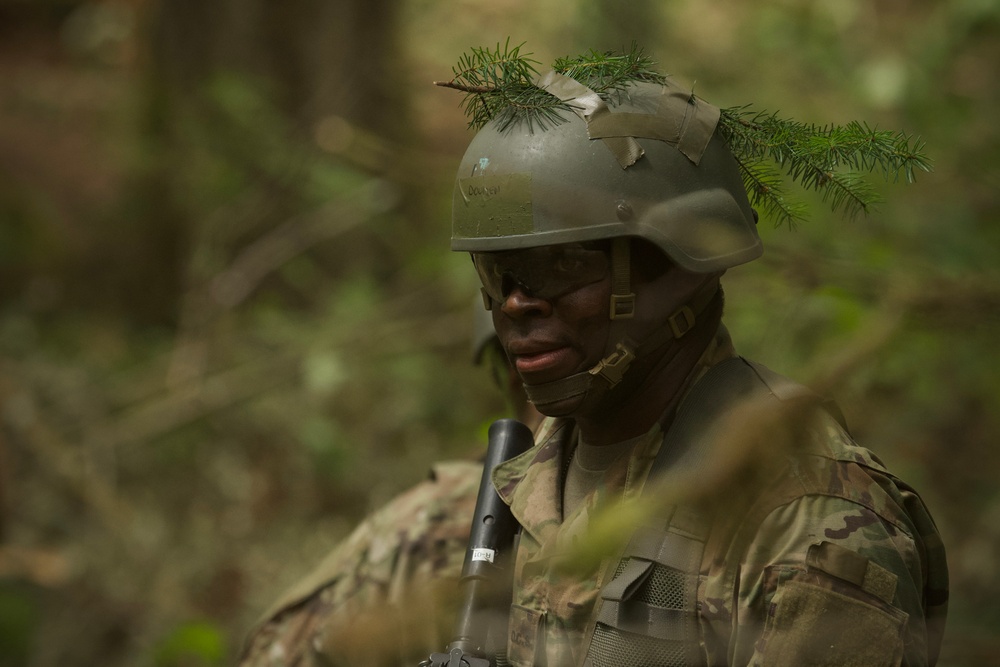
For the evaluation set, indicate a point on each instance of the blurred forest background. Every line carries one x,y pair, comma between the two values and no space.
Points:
230,324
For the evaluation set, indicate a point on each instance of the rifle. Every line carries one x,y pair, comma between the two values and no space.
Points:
487,570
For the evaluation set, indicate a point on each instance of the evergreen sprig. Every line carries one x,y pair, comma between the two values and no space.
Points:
607,73
500,83
831,159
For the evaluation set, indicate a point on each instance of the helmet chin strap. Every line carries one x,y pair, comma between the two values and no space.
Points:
620,350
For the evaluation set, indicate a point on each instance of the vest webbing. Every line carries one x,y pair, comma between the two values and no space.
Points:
647,613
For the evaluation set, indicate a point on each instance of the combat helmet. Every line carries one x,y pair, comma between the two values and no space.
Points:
645,162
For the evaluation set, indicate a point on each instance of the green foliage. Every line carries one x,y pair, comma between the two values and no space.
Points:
19,617
609,72
500,83
329,448
814,157
193,644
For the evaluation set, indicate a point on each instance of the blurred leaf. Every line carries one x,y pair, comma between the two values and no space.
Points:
194,644
324,372
19,618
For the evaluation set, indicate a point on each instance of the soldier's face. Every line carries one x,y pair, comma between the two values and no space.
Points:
559,327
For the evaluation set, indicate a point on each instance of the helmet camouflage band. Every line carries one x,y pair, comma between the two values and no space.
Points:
648,163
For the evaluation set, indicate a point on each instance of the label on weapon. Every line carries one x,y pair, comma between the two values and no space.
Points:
483,554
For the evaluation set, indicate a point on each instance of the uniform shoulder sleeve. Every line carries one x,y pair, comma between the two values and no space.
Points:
420,535
828,580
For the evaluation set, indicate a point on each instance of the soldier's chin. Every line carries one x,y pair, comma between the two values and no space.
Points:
563,407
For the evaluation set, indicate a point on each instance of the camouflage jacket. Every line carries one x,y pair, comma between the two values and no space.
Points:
377,598
825,559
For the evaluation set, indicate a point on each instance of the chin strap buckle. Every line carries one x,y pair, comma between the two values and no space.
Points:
612,367
682,321
622,306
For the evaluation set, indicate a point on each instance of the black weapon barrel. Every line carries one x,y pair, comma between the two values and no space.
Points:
486,572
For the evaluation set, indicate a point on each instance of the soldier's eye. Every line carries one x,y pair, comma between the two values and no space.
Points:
568,264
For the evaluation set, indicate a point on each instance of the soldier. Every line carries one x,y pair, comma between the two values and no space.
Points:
395,565
600,239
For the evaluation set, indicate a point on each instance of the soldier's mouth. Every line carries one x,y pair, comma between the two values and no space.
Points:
543,361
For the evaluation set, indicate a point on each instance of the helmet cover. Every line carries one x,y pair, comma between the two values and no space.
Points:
646,162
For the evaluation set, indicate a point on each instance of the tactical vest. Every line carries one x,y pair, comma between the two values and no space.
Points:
649,613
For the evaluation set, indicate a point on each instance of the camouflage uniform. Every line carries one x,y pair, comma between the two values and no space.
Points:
368,602
831,561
